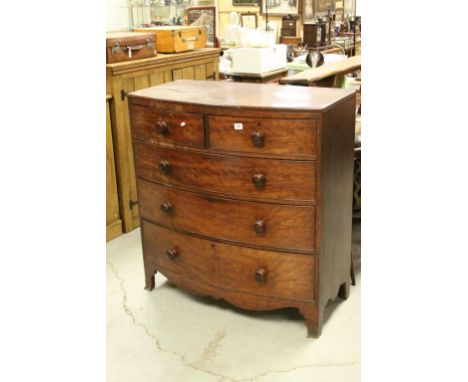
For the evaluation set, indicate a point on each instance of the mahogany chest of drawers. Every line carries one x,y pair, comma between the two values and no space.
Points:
245,191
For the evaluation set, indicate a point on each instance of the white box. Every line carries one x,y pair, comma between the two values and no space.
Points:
258,60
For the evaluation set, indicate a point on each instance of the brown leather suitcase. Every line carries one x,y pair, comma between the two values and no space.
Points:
126,46
177,38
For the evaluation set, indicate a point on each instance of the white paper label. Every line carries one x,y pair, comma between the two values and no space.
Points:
238,126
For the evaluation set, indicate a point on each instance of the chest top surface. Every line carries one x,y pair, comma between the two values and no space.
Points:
250,95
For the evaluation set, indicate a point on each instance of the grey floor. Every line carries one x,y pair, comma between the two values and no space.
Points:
168,335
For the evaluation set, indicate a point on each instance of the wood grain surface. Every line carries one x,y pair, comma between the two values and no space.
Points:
277,136
236,95
260,216
287,275
162,126
287,227
227,174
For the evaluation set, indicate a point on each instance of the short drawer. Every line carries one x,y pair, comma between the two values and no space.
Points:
262,224
228,266
263,135
161,126
227,174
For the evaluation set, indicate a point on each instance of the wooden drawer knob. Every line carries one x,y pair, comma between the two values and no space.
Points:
260,227
167,207
261,275
163,127
172,253
258,138
164,167
259,180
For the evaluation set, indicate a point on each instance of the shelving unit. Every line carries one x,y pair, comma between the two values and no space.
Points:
161,12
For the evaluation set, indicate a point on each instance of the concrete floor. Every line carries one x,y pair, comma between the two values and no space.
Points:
168,335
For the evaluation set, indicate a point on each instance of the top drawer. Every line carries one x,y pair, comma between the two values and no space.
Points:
263,135
161,126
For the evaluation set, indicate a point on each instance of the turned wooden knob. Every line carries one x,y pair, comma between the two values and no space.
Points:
258,138
172,253
259,227
261,275
163,127
259,180
164,167
167,207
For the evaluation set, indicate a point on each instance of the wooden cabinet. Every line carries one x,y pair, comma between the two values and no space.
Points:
125,77
113,221
258,212
288,26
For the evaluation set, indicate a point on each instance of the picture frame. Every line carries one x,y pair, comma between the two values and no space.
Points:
245,3
322,7
203,16
280,7
249,20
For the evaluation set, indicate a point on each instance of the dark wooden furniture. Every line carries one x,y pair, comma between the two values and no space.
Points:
288,26
315,35
245,191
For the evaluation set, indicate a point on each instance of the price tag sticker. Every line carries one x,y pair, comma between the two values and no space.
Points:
238,126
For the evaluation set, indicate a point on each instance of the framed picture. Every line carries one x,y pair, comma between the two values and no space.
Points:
243,3
307,10
248,20
322,7
280,7
203,16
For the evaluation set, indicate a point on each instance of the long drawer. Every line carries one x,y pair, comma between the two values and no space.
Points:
288,32
262,224
263,135
243,269
162,126
227,174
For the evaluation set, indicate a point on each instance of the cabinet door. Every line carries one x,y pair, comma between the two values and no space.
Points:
156,78
122,137
113,222
187,73
141,82
200,72
176,74
210,71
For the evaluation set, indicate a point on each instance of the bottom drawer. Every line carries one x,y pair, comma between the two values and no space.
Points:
228,266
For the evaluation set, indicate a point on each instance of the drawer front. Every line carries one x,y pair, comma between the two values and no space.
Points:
288,32
268,225
273,136
288,24
162,126
231,175
169,250
248,270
